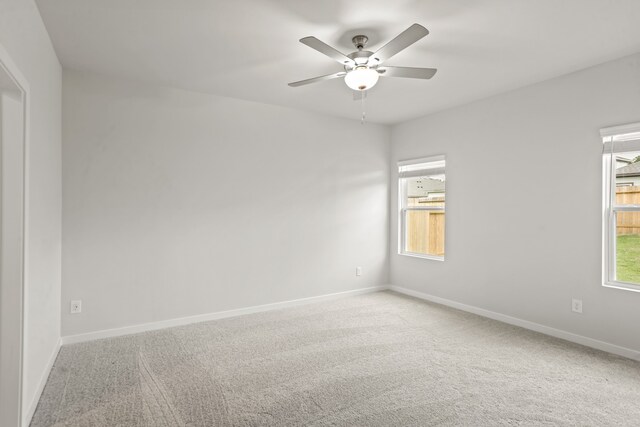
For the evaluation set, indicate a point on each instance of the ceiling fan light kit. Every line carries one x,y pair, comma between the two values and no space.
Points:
362,68
361,78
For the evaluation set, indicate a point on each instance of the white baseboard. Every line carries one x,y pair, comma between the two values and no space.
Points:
162,324
547,330
31,409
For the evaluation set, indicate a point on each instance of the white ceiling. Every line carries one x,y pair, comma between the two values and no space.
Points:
249,49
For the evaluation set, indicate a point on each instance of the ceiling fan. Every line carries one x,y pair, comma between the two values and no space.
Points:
362,67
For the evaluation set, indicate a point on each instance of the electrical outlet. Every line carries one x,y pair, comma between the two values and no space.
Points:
76,307
576,305
358,271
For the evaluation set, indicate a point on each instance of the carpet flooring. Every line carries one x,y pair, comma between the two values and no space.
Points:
379,359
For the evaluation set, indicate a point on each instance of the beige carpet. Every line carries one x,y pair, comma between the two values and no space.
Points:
374,360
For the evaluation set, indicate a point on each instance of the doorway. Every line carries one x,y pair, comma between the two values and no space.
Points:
12,238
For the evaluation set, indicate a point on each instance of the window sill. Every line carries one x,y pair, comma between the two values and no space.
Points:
412,255
622,285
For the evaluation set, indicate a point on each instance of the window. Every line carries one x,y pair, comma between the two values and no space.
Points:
621,230
422,213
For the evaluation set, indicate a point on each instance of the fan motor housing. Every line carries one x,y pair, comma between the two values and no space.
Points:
361,57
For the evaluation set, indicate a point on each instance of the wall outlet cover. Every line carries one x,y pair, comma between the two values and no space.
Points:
576,305
76,307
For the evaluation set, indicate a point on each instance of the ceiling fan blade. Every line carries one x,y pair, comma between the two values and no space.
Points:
401,42
318,79
324,48
407,72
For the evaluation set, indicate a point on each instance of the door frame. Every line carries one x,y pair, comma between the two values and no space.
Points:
11,69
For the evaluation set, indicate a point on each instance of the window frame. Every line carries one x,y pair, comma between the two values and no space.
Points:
403,209
610,208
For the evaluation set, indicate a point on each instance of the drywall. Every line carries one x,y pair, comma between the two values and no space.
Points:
24,38
524,203
178,204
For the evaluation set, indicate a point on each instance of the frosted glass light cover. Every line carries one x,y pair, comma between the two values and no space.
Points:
362,78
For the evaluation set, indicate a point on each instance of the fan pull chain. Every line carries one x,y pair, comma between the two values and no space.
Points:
364,116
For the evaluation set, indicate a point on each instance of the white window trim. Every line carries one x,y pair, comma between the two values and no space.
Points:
609,232
619,130
402,193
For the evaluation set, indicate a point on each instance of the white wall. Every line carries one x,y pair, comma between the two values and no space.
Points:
23,36
178,203
521,239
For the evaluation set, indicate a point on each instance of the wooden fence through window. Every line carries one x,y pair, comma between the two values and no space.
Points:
628,222
425,229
